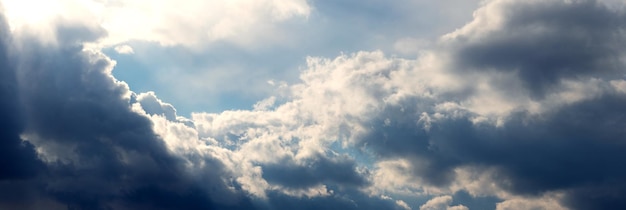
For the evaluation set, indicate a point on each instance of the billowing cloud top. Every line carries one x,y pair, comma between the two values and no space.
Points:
520,108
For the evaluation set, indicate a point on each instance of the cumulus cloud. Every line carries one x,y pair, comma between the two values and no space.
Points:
80,145
445,112
84,140
524,103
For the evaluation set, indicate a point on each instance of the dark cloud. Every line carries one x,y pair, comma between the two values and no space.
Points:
70,140
322,170
17,159
547,41
576,148
96,146
403,138
94,152
572,147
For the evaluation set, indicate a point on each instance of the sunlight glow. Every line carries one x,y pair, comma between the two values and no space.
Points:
21,13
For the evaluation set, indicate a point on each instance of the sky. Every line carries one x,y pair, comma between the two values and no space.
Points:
313,104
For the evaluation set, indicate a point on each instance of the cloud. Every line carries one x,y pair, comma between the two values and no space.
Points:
484,127
549,201
104,147
323,170
441,203
124,49
18,159
232,76
536,139
524,103
433,124
78,142
542,42
188,23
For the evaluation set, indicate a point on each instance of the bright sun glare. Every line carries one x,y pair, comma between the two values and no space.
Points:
30,12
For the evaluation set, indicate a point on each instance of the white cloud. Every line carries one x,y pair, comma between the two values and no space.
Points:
403,205
41,18
265,104
441,203
168,22
192,22
549,201
394,176
124,49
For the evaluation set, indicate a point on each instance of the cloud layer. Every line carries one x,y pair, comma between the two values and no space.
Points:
524,104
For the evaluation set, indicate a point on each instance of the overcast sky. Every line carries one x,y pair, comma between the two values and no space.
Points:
313,104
